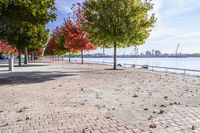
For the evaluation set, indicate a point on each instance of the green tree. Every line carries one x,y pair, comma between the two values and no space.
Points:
37,39
17,17
118,23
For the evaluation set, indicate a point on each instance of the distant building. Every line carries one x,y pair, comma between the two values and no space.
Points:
148,53
153,52
165,54
141,54
157,53
99,54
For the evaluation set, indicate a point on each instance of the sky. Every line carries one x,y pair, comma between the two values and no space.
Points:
178,21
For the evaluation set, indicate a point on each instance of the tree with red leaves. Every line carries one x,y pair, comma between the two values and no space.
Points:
7,48
77,40
35,52
51,47
70,37
55,45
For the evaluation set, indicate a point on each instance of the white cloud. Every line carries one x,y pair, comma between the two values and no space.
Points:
170,8
63,6
178,21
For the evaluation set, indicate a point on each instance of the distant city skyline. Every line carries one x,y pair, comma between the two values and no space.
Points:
178,22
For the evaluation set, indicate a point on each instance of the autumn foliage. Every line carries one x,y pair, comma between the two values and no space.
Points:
56,43
51,47
70,37
7,48
77,40
36,52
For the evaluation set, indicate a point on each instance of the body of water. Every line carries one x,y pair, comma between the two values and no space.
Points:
182,63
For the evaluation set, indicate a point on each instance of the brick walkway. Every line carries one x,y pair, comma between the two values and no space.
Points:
47,100
25,111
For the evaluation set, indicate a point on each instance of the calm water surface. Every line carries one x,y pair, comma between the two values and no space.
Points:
185,63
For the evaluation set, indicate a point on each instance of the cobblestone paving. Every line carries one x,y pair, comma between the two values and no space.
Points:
28,112
71,103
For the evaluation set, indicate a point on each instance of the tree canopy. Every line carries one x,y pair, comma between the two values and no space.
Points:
16,16
56,44
70,37
76,39
22,22
118,23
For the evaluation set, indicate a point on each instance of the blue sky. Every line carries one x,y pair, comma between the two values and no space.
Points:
178,22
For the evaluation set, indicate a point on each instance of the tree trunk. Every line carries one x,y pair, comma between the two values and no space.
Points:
82,57
103,54
28,57
19,52
32,58
69,56
25,56
115,56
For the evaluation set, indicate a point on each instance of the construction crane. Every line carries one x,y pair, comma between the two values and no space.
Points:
124,52
177,49
135,51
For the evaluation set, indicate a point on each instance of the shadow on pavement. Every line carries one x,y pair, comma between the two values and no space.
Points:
28,65
16,78
32,65
111,69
